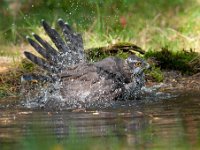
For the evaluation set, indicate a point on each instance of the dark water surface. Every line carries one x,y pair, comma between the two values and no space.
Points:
155,124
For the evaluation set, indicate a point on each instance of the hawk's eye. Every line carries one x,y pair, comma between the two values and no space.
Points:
137,64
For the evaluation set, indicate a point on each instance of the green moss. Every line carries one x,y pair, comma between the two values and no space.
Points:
121,50
175,60
95,54
155,74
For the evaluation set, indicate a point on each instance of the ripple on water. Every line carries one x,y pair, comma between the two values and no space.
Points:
174,119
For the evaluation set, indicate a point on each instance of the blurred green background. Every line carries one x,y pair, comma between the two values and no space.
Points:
149,24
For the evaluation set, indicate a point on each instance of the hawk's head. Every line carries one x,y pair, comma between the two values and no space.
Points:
137,65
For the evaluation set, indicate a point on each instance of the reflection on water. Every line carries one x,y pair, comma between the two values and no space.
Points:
140,125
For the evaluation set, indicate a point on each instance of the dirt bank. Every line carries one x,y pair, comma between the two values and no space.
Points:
174,81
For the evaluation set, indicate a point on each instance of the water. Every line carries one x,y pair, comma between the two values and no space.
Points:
145,124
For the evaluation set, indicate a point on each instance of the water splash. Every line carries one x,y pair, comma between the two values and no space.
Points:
49,96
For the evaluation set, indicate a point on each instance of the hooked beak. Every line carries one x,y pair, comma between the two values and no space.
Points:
147,66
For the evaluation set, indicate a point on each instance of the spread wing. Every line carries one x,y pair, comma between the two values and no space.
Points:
69,50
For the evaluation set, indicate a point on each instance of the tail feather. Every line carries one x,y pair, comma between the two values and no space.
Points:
39,61
66,27
55,37
46,45
67,31
75,40
41,51
35,78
